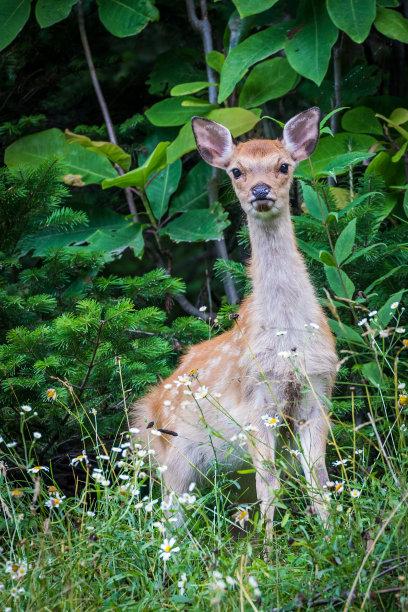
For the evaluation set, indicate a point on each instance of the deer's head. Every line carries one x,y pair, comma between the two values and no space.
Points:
261,171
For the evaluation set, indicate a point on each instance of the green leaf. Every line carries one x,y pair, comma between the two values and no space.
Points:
383,166
405,204
329,148
327,258
344,331
342,163
309,249
237,120
198,102
268,80
353,17
361,120
170,112
395,158
112,151
48,12
362,252
251,7
189,88
385,313
345,242
195,225
399,116
253,49
13,16
378,281
215,60
309,49
138,177
333,277
126,17
357,201
315,204
193,193
372,372
106,231
33,150
162,187
392,24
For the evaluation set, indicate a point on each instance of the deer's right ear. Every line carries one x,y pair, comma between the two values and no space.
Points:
214,141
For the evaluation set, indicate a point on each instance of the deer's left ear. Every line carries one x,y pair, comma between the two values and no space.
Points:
301,134
214,141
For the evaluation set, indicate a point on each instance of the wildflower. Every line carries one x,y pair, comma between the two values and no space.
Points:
403,400
329,484
405,342
151,451
17,570
217,395
91,513
201,392
162,468
182,380
354,493
338,487
125,445
231,581
1,439
124,476
26,408
79,459
326,497
314,325
359,451
241,516
167,403
181,583
116,449
149,506
281,333
284,354
295,452
400,330
242,438
134,430
105,482
51,395
168,386
54,502
362,322
401,385
138,505
159,526
16,493
270,421
339,508
191,486
253,582
403,427
187,499
250,428
202,308
104,457
38,468
154,432
187,392
340,462
11,444
37,435
168,548
372,313
394,305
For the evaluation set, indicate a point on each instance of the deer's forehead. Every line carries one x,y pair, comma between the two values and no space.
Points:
258,153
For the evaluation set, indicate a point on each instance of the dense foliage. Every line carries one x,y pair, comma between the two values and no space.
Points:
113,235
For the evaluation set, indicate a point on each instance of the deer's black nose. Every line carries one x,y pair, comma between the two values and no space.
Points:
261,191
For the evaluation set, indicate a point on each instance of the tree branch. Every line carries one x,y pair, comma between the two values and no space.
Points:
101,101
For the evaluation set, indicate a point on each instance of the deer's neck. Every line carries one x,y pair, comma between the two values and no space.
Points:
283,296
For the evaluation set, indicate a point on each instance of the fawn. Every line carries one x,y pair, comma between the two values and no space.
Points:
277,365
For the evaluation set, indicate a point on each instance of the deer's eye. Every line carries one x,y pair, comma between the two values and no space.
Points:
284,168
237,173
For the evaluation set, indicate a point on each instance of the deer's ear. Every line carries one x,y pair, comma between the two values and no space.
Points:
214,141
301,134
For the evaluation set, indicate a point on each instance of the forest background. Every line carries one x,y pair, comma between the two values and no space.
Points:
119,248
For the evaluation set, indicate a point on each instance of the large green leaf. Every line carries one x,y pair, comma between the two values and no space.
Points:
237,120
392,24
361,120
107,231
194,225
309,50
171,111
251,7
372,372
315,204
345,242
254,49
383,167
32,150
342,163
354,17
126,17
193,192
162,187
112,151
13,16
343,288
344,331
268,80
139,176
48,12
215,60
329,148
185,89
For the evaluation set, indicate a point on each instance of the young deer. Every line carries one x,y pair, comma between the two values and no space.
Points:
278,363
